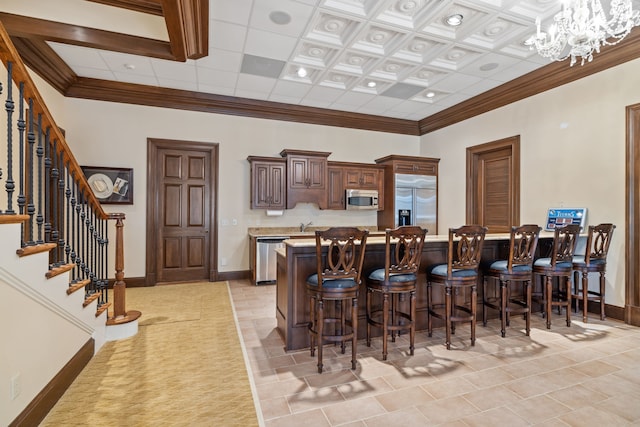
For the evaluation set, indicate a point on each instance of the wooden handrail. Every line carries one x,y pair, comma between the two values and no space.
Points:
71,222
8,53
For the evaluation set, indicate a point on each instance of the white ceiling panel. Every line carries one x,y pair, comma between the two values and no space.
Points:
381,57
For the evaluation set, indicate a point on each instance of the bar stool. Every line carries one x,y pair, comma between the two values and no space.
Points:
460,273
403,251
337,279
594,260
559,265
517,267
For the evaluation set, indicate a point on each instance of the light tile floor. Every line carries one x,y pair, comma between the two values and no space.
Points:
585,375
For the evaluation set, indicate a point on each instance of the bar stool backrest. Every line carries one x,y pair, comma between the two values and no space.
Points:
565,239
465,248
598,241
403,250
522,246
345,253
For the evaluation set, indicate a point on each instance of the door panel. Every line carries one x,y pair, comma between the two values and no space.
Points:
496,191
197,200
183,179
171,213
493,184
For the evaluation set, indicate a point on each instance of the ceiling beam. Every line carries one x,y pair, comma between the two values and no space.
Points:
27,27
153,7
38,56
188,27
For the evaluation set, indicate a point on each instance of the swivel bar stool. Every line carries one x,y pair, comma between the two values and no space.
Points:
517,267
396,281
594,260
559,265
339,259
460,273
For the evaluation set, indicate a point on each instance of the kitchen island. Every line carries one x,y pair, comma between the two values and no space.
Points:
297,260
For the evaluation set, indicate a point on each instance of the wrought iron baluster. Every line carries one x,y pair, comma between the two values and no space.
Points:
79,226
59,211
9,107
105,257
47,186
91,267
53,211
21,125
104,282
74,239
31,208
67,217
41,181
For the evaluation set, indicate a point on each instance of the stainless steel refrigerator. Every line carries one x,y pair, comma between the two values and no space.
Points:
415,202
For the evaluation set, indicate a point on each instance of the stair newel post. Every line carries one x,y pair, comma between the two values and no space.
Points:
119,286
120,315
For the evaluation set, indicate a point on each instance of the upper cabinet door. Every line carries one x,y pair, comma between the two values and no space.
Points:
268,183
307,177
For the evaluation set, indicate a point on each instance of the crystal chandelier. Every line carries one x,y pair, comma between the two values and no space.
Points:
582,27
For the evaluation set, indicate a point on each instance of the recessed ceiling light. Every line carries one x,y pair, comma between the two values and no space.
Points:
302,72
129,66
430,94
454,20
488,67
371,84
279,17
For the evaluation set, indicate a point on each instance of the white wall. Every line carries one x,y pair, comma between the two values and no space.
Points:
110,134
33,353
572,154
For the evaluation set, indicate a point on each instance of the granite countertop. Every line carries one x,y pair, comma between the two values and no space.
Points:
375,235
295,231
378,238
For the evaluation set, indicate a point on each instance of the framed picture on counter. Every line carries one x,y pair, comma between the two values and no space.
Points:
110,185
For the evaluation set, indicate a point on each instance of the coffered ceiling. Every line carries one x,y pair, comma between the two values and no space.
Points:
393,65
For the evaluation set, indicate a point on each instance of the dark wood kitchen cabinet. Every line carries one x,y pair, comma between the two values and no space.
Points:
363,178
335,190
306,177
268,182
346,175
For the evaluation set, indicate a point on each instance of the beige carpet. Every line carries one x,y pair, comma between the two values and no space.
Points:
185,367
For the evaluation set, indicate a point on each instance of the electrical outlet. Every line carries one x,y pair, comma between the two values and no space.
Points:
223,261
16,386
234,221
224,222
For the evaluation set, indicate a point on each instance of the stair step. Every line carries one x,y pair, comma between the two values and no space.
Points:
59,270
13,219
103,308
77,286
91,298
35,249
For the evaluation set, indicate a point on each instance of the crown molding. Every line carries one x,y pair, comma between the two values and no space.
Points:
129,93
548,77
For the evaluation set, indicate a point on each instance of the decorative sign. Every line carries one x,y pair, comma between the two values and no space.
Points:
557,217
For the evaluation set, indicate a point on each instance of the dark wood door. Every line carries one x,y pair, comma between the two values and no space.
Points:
183,201
493,191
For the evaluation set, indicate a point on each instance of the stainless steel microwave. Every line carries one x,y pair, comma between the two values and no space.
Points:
361,199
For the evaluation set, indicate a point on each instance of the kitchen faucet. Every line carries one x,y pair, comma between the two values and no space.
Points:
304,226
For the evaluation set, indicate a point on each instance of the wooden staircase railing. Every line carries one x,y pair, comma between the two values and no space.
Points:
43,188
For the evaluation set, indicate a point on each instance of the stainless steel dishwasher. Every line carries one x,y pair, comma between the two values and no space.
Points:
266,258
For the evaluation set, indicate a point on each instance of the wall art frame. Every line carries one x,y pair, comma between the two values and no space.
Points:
110,185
